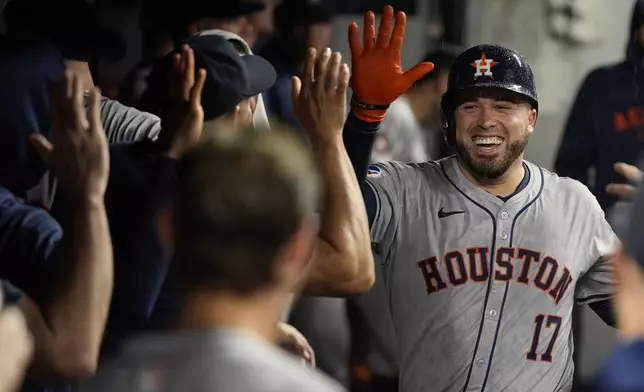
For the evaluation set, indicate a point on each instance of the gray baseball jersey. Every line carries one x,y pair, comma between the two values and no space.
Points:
205,361
481,290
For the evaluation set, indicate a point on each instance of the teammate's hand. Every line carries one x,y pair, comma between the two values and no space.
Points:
292,340
78,151
629,172
627,303
377,75
16,348
320,98
185,116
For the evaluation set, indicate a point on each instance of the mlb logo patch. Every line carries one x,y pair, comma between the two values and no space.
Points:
373,171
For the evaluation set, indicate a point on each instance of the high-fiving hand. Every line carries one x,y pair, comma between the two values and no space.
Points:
632,174
292,340
377,75
185,114
78,151
320,98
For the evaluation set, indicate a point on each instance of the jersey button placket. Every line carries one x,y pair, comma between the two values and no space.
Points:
494,305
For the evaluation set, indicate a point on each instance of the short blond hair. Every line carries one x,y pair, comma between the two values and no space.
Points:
241,196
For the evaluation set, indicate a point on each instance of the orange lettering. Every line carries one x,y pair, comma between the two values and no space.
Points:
621,124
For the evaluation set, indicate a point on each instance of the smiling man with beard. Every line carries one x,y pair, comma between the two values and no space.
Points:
483,253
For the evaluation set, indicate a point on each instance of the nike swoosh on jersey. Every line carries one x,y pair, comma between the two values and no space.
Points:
442,214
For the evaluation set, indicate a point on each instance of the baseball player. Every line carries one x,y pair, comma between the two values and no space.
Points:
484,254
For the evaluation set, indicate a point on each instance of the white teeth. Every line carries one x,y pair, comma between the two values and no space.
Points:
488,140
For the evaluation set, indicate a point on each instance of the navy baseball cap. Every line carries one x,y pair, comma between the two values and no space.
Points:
230,77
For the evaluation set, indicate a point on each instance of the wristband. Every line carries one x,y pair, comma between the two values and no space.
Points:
367,106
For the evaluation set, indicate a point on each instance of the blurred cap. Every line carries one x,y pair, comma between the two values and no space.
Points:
230,77
293,13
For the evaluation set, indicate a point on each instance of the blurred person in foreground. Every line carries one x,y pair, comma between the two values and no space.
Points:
299,25
622,371
411,131
144,172
241,248
606,122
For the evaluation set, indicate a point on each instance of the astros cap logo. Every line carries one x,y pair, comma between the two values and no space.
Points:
483,66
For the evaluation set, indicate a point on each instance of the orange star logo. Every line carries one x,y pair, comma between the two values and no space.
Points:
484,66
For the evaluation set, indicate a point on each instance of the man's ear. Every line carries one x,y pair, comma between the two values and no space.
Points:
165,226
532,120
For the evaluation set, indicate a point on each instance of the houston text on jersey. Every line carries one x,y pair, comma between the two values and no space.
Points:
474,265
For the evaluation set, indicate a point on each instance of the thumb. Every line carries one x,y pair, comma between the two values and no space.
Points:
417,72
297,88
43,146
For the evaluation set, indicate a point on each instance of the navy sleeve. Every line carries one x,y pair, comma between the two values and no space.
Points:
577,150
358,137
29,243
622,371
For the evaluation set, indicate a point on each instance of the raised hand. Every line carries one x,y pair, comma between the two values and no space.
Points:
184,117
377,75
292,340
78,151
320,98
632,174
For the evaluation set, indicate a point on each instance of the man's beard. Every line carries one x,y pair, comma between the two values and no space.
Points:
493,169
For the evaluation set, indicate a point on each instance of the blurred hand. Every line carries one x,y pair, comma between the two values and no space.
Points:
16,348
320,98
632,174
378,78
291,340
78,151
185,117
627,302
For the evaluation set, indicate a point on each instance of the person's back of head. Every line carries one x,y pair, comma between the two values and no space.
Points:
245,213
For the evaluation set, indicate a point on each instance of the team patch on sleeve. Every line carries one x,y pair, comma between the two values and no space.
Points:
373,172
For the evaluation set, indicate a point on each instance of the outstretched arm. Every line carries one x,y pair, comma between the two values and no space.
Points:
342,260
378,79
68,330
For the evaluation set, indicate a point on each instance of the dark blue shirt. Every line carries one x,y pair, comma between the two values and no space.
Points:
622,372
29,239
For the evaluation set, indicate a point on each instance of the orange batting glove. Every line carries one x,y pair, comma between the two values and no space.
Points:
377,76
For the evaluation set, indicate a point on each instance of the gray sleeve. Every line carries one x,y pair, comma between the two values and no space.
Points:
598,284
125,124
391,182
